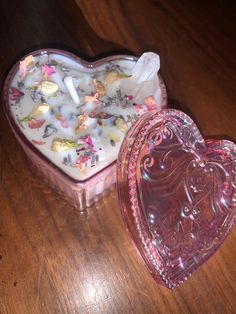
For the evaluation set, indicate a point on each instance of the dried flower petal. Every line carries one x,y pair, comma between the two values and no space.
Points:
62,120
38,142
86,152
140,109
100,88
67,161
47,71
48,88
35,124
104,115
92,98
49,130
81,161
112,136
113,76
20,84
39,110
15,94
121,125
20,123
150,103
60,145
101,116
36,96
129,97
86,139
26,64
81,123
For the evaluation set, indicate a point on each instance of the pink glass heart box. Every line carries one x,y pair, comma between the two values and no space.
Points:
44,116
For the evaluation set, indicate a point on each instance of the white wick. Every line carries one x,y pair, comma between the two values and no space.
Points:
71,89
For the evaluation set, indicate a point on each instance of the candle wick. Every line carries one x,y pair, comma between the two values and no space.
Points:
71,89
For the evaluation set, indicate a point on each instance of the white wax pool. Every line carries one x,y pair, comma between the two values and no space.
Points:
78,116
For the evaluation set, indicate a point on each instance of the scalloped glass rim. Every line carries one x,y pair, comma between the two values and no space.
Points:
133,189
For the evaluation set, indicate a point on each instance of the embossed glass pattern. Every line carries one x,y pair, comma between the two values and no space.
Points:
177,193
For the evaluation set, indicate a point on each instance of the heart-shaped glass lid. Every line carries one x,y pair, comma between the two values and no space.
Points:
177,193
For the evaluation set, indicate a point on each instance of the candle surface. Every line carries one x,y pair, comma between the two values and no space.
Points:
77,116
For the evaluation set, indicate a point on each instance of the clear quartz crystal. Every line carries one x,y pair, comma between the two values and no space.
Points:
143,78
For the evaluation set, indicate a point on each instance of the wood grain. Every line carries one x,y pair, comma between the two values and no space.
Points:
55,260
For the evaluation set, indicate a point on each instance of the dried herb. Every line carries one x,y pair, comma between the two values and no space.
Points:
49,130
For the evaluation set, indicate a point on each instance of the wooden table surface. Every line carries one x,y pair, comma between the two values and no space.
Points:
52,258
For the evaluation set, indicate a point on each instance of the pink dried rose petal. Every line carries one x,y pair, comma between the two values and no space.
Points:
15,94
35,124
38,142
92,150
87,140
47,71
129,97
62,121
81,160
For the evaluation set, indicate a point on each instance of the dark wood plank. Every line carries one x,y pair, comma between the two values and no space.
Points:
52,258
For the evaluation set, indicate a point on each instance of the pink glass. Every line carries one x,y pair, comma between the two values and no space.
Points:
177,193
80,194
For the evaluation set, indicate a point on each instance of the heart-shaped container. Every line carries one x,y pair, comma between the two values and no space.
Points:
177,192
80,192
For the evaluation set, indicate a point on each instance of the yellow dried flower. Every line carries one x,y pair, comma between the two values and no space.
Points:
121,125
81,123
113,76
113,137
48,88
100,88
61,145
39,110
